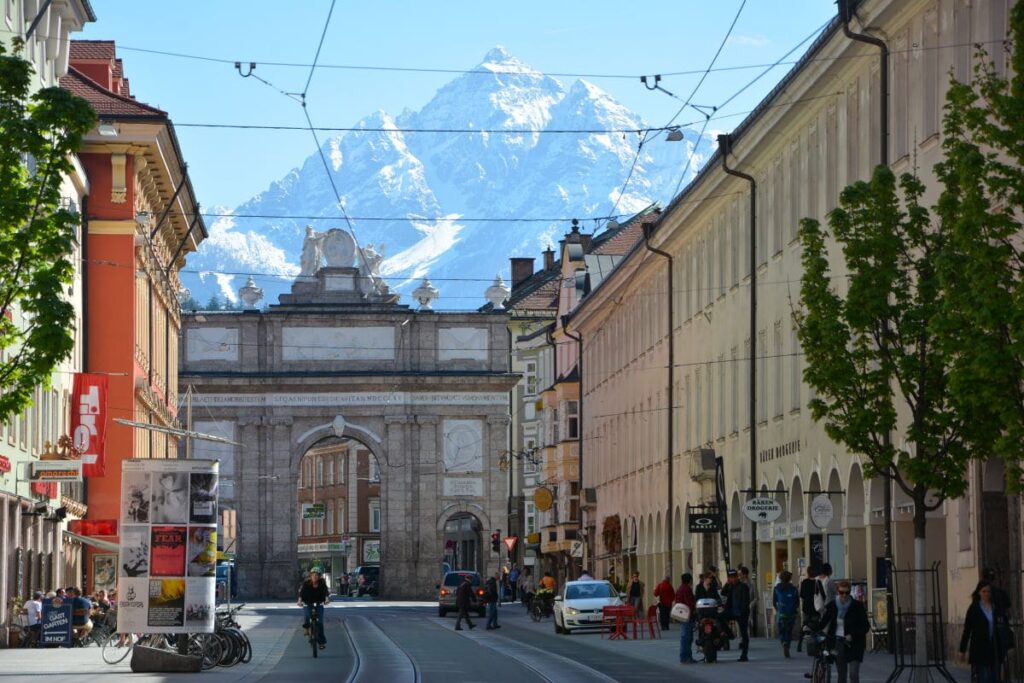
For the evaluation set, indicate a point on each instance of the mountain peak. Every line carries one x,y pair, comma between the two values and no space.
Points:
497,55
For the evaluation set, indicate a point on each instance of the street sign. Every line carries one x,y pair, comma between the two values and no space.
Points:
510,543
763,510
821,510
314,510
576,549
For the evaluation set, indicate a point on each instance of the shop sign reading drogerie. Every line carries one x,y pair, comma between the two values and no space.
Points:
762,510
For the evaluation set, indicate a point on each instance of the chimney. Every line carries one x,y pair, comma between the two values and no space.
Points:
549,258
585,242
522,269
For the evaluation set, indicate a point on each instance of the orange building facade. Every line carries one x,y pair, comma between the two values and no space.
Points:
141,220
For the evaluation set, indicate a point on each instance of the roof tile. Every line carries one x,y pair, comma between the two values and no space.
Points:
106,103
92,49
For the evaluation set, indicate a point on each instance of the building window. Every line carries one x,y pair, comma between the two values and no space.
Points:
530,378
734,389
762,376
530,514
777,374
330,517
319,471
375,516
795,366
374,469
555,427
572,419
530,461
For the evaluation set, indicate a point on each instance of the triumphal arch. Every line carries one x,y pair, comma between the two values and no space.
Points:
340,357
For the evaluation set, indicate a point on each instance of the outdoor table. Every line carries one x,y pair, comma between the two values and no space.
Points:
617,617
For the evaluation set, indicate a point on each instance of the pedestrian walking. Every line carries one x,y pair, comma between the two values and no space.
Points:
665,594
635,593
980,643
463,601
846,625
685,596
828,585
810,590
343,585
527,586
786,600
513,581
736,595
491,598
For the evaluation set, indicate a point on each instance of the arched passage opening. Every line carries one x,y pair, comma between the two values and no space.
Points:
797,524
835,541
463,545
855,526
339,515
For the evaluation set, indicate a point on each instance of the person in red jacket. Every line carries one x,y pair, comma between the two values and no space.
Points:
685,596
665,594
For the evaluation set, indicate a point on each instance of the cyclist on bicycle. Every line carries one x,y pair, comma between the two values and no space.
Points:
314,594
845,622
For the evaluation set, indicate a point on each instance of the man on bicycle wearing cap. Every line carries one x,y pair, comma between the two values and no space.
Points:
314,593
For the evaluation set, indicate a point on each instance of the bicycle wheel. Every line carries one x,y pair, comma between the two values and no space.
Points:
207,646
115,649
819,673
247,649
536,611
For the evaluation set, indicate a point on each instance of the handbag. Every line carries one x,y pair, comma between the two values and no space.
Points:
680,612
1005,637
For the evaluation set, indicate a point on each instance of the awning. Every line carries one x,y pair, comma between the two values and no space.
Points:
94,542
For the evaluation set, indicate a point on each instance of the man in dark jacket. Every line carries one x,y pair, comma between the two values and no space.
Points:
809,587
463,602
491,599
846,621
314,595
736,595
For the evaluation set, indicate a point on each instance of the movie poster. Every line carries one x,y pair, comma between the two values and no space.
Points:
167,566
166,603
203,498
202,551
199,603
135,493
170,498
168,551
104,572
134,551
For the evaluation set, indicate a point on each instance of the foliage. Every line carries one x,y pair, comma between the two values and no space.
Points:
983,190
38,134
877,344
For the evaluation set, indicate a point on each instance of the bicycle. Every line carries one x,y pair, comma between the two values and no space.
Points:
821,667
314,623
540,607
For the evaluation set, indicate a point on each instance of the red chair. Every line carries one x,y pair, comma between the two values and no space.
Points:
650,621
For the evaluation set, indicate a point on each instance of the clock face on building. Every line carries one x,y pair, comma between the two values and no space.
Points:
463,446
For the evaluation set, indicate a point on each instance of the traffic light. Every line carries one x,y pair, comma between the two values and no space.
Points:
496,542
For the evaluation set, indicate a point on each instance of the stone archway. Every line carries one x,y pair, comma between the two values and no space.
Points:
425,392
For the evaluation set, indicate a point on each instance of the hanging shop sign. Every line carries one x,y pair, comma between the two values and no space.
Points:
543,499
762,510
821,510
5,464
56,471
89,421
168,551
704,520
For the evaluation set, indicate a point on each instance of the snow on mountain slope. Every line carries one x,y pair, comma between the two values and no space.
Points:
412,191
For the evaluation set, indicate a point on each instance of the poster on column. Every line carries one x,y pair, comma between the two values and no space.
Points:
168,546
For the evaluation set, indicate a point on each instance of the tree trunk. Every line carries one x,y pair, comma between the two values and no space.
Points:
920,593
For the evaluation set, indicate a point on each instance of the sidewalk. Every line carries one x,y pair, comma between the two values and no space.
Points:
766,660
268,636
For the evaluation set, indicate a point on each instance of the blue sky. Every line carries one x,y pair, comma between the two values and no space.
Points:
595,37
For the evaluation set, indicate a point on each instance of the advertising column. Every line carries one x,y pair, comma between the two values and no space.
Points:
168,546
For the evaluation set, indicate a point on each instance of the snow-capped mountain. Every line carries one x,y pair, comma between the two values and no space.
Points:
425,186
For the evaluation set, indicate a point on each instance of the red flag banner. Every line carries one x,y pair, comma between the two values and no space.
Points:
89,421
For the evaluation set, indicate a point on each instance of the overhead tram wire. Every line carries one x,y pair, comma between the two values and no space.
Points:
524,72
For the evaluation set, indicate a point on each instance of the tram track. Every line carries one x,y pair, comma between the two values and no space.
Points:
376,656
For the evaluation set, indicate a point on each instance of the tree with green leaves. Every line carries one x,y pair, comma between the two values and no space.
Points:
982,276
39,133
926,346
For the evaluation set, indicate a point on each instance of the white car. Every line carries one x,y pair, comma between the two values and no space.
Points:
580,604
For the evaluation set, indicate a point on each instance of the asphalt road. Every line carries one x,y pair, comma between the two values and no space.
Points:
409,643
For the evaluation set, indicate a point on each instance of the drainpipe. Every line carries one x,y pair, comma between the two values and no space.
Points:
648,231
579,453
846,14
725,145
511,461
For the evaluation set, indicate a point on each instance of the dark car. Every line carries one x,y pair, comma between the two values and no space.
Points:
446,592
